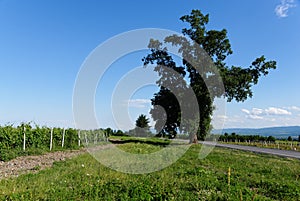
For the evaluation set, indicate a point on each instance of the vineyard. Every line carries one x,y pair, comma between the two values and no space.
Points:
26,139
261,141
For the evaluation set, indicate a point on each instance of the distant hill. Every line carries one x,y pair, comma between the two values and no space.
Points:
279,132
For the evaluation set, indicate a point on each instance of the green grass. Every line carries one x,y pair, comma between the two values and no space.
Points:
145,140
253,177
139,148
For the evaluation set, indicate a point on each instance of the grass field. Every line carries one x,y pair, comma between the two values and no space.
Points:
252,177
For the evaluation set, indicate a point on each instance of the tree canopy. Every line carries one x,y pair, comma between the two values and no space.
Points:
141,126
142,121
204,53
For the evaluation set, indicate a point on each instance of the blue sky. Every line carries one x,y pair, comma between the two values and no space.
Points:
44,43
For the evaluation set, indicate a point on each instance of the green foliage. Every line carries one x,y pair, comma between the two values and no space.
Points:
253,177
37,139
233,137
238,81
142,128
142,121
166,122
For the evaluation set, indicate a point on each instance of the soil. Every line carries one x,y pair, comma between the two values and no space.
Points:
32,164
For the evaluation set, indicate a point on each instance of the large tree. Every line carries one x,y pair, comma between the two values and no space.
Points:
195,46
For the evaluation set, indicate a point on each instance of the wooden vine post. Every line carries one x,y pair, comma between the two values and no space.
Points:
24,138
78,138
51,138
63,138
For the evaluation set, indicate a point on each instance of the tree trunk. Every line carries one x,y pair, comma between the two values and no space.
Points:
193,139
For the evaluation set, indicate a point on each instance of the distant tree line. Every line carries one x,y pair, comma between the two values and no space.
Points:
233,137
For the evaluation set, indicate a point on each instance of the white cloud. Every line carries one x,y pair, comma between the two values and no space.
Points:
277,111
257,111
254,113
259,114
282,9
264,117
295,108
246,111
255,117
138,103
